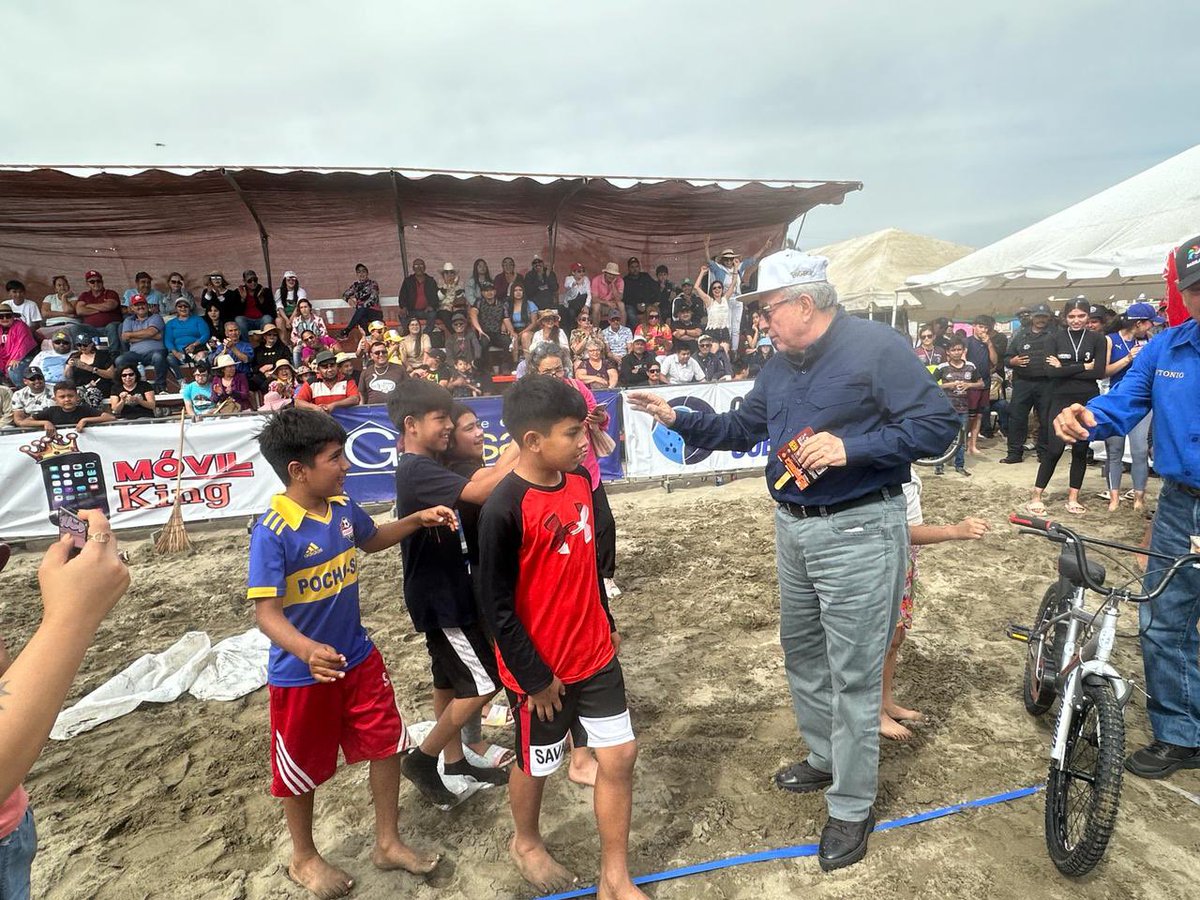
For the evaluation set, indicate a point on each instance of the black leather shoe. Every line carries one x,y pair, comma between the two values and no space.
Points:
844,843
1010,460
801,778
1159,759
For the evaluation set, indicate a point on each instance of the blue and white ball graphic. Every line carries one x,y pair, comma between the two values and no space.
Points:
671,445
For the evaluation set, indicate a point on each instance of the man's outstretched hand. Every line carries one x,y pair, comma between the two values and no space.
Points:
644,401
1072,423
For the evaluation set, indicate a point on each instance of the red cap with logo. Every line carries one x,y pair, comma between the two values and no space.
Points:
90,274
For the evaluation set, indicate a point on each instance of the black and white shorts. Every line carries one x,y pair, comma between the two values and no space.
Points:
593,712
462,660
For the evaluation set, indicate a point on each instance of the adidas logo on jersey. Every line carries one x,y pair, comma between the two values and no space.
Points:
312,550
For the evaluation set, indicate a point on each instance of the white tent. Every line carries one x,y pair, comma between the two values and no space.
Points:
869,270
1114,244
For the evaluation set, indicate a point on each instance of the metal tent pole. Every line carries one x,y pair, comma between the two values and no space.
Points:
262,231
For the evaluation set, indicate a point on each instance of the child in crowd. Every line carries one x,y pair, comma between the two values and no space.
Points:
466,382
893,714
555,639
438,590
328,685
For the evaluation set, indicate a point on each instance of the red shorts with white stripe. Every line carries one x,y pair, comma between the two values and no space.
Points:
308,723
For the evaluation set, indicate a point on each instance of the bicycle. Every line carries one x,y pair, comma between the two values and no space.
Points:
1068,659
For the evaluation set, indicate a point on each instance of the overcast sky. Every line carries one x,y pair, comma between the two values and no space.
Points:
965,121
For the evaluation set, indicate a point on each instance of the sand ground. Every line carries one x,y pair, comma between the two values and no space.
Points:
171,801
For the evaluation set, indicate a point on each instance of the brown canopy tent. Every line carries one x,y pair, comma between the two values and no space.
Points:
320,222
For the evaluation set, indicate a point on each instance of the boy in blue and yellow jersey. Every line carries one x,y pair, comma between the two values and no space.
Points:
327,682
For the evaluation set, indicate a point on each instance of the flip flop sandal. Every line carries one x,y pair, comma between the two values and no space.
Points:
1130,494
496,757
1036,508
1076,509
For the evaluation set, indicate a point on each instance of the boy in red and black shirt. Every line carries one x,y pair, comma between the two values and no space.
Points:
555,640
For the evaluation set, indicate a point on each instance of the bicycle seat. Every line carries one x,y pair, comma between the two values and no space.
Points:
1068,568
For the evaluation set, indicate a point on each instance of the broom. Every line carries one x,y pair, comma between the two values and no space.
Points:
173,537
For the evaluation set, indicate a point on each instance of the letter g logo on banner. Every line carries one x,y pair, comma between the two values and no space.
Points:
671,445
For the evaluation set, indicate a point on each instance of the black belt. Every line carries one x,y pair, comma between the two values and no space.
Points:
812,512
1188,489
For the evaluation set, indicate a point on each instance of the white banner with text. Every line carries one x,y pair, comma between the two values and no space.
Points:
130,471
652,450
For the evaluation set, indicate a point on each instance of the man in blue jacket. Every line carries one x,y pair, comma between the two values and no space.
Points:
1165,380
841,541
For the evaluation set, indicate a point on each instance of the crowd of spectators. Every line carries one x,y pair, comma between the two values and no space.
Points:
225,348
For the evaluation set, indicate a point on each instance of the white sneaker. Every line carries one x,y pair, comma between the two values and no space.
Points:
610,588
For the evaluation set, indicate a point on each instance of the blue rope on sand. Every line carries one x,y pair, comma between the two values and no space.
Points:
801,850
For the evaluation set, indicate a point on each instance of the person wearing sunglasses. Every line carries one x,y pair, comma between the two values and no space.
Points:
100,310
929,353
176,291
54,361
131,397
258,305
380,376
862,408
33,396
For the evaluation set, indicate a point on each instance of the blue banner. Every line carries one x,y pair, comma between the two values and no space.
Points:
371,446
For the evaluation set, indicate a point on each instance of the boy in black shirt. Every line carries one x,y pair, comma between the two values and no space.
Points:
438,589
555,639
67,410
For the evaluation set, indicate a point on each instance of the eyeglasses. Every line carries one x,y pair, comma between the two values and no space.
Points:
251,281
129,374
379,353
175,281
926,336
765,312
654,370
95,281
64,343
557,370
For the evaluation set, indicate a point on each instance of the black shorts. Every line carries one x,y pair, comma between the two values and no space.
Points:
720,335
463,661
593,712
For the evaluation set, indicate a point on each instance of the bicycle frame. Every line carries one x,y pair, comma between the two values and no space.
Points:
1091,660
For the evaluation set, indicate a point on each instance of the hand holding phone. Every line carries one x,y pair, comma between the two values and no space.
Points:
70,524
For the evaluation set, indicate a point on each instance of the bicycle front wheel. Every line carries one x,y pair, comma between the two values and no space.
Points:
1082,797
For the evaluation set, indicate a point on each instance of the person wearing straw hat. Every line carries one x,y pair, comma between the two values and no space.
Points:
229,386
608,293
846,408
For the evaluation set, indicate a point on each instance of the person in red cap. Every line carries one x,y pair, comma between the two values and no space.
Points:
100,310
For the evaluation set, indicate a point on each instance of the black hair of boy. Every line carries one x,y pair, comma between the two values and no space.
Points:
65,385
538,403
297,435
417,397
956,341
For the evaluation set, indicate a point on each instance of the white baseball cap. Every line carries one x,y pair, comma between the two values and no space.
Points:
787,268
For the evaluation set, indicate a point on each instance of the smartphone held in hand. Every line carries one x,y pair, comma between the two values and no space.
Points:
70,523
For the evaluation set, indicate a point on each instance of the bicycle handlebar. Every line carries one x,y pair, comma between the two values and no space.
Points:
1061,534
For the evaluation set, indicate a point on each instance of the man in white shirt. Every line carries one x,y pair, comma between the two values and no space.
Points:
680,368
29,311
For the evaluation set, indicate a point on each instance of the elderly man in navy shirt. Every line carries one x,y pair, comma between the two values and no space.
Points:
1165,380
842,541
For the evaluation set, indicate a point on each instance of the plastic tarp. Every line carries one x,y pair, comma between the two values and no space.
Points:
230,669
870,269
1114,243
321,222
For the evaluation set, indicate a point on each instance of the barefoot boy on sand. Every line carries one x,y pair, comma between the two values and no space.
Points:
327,682
555,642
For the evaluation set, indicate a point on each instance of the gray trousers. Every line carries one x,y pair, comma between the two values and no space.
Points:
841,578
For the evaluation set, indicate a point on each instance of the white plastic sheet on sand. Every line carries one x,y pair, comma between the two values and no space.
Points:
232,668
